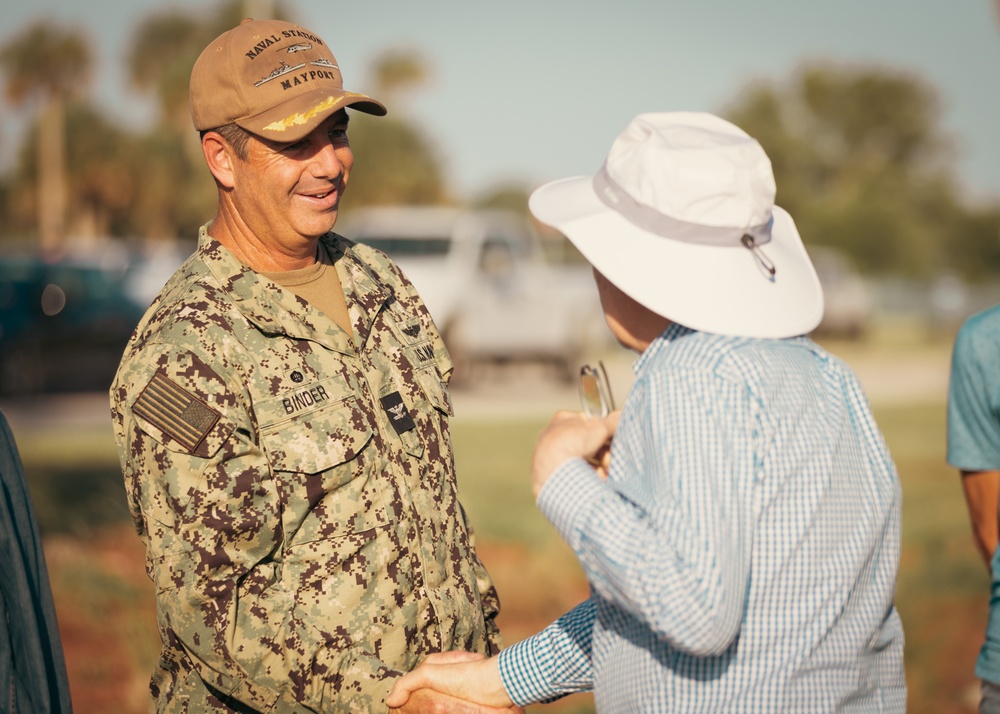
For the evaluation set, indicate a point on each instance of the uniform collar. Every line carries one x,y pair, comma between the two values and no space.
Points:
275,310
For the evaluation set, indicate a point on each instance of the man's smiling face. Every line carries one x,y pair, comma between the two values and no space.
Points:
287,193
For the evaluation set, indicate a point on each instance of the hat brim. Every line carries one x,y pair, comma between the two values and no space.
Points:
294,119
723,290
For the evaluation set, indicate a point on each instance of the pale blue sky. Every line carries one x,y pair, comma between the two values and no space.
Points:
538,89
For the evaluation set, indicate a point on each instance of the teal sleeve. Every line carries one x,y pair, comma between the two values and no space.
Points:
973,413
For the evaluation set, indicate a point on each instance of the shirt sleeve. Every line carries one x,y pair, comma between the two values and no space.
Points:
973,418
667,537
555,662
207,507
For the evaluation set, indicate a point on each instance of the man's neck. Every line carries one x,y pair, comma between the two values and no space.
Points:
258,254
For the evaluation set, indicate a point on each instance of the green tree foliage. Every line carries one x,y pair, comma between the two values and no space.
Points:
154,184
975,243
102,176
507,196
45,60
393,163
862,163
398,70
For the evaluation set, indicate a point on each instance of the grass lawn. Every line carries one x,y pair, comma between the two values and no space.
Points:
943,586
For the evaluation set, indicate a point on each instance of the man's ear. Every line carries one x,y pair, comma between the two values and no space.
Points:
219,156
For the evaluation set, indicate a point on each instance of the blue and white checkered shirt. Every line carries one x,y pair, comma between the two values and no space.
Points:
742,554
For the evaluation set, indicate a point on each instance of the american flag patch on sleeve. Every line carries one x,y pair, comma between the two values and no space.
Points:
176,412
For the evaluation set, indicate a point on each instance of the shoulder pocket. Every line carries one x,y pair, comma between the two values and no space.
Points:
179,420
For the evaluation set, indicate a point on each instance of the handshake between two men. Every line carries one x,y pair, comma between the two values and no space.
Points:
471,677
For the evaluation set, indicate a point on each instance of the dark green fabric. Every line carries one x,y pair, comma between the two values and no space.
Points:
32,670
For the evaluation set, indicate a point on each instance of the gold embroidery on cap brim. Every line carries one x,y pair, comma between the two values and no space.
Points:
301,118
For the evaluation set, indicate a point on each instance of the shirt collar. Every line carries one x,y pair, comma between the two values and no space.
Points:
673,332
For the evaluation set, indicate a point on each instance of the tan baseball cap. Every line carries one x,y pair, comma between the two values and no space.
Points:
273,78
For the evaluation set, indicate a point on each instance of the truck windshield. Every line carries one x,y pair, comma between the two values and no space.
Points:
396,247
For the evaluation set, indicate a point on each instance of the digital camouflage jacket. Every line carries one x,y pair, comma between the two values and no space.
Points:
295,489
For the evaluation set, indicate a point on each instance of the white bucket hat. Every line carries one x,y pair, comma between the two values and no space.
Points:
681,218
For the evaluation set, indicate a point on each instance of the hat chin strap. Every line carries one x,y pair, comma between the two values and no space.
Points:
652,221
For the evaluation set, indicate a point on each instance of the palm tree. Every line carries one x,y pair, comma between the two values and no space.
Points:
162,51
398,70
165,46
48,66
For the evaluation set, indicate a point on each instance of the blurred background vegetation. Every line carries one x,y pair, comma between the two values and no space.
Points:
79,174
859,152
861,161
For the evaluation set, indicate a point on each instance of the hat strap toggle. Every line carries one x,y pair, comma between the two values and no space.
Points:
750,244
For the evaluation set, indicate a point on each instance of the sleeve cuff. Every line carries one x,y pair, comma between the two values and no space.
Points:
525,673
553,663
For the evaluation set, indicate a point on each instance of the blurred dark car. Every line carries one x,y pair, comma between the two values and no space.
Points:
63,326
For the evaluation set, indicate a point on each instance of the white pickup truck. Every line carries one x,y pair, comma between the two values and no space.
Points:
487,284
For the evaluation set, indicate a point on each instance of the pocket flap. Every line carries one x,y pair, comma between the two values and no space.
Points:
314,428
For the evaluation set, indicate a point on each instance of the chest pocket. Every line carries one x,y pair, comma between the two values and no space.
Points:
315,438
313,429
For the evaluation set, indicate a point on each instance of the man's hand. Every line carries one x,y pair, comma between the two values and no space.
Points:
463,680
428,701
569,435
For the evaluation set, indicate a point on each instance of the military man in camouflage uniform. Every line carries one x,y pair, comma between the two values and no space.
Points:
281,414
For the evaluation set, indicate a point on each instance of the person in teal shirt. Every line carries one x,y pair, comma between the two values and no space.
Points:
974,449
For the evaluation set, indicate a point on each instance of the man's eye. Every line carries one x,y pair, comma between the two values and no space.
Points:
294,146
339,134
